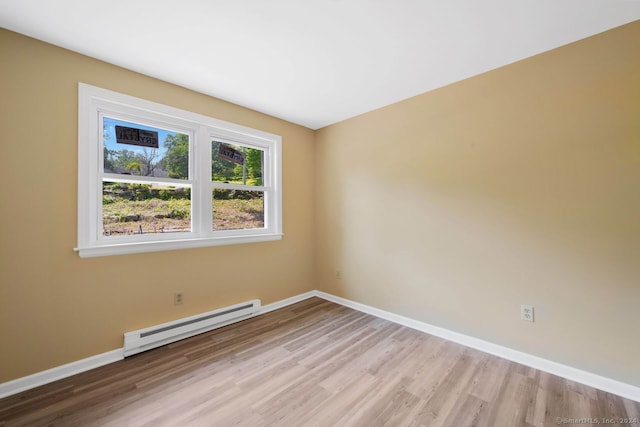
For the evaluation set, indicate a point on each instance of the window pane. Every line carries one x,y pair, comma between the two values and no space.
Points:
236,209
133,149
235,164
144,209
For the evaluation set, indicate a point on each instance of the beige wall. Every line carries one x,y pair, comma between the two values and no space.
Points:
55,307
521,185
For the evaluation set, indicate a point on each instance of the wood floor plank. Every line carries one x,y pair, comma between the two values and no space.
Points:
314,363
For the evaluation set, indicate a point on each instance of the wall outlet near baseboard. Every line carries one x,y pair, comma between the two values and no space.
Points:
177,298
526,312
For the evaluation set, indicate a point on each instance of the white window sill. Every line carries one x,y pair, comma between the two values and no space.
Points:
167,245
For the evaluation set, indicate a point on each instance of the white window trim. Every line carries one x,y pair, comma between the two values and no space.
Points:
93,101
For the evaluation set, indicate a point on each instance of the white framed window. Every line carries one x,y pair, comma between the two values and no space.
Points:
153,177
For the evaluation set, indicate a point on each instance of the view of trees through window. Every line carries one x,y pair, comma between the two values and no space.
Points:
237,209
143,207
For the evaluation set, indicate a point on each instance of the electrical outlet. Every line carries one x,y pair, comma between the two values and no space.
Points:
177,298
338,274
526,312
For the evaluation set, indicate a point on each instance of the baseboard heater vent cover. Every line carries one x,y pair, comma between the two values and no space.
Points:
156,336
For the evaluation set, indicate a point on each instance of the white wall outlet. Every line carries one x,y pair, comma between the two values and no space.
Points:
526,312
338,274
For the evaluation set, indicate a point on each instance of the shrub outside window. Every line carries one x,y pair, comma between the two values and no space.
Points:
153,177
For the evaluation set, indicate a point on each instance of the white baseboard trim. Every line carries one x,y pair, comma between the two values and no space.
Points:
587,378
59,372
619,388
285,302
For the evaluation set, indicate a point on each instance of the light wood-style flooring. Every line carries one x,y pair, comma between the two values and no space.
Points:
314,363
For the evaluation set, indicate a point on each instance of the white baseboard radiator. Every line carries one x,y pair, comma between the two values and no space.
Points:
156,336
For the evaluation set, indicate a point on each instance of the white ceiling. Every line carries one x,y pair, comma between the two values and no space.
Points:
313,62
